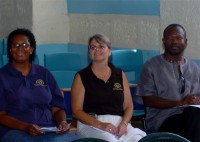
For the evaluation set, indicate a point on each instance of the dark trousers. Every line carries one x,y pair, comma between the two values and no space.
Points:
186,124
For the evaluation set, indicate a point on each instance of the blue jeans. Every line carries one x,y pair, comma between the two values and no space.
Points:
21,136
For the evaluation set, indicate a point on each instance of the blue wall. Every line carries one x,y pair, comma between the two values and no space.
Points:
129,7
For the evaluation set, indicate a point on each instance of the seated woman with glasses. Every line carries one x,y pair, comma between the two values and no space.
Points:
31,103
167,83
101,98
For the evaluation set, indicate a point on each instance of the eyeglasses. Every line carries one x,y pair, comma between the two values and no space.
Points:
100,47
182,79
23,45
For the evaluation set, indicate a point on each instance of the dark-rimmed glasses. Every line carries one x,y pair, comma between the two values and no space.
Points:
18,45
182,88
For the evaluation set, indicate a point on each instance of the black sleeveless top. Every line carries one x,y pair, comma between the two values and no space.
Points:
100,97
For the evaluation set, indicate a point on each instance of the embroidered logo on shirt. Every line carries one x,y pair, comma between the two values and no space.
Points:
117,86
39,82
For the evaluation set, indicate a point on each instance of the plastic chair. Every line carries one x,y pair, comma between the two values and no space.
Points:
5,45
63,66
130,61
89,140
1,60
163,137
4,60
139,109
147,54
83,51
1,46
197,62
67,96
50,48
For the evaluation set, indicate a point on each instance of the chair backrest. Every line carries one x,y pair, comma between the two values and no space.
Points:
63,66
50,48
1,60
1,46
36,60
163,137
147,54
197,62
130,61
82,50
5,59
89,140
5,40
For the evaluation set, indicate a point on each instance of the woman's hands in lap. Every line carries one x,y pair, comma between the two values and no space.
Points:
34,130
109,127
63,128
122,129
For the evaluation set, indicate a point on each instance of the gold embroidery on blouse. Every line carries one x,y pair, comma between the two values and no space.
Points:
117,86
39,82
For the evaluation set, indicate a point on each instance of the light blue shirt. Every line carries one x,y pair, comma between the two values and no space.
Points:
161,78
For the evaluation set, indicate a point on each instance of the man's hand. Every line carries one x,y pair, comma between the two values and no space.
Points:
191,99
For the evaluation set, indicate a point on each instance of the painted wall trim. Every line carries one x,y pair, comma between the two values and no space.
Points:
128,7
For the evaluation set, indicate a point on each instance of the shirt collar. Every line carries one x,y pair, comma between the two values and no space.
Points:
15,72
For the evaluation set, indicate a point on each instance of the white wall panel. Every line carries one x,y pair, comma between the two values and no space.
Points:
50,21
186,13
130,31
14,14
